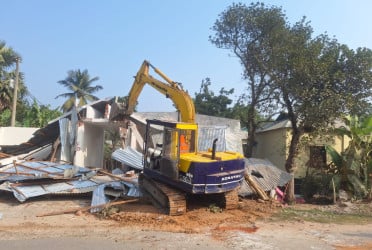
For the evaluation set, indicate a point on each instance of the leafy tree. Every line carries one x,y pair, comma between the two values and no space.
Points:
252,33
240,111
36,115
33,115
5,117
318,80
6,97
207,103
315,80
80,85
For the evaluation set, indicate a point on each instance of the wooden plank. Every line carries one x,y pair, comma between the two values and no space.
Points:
127,179
18,173
38,169
55,147
3,155
256,188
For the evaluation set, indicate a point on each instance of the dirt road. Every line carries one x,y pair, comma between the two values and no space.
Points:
141,226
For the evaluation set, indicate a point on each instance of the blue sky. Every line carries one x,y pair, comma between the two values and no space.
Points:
112,38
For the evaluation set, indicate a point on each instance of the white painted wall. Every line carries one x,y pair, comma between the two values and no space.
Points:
15,135
89,145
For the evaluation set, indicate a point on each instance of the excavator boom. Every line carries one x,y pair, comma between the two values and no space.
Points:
169,88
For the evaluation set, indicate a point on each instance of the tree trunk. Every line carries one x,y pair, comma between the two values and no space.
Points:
251,133
289,195
290,165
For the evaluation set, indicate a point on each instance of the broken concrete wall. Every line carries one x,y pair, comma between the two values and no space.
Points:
136,135
93,112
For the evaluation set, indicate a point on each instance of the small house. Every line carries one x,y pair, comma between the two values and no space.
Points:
273,140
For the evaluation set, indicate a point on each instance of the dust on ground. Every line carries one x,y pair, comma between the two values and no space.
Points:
197,219
140,226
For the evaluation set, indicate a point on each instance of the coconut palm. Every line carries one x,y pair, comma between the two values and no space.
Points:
8,58
79,83
6,92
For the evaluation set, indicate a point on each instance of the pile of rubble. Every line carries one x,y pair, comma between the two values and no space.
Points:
28,179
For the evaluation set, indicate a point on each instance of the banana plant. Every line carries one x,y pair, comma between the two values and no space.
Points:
352,167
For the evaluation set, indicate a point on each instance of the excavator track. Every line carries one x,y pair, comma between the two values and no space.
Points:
231,199
171,200
227,200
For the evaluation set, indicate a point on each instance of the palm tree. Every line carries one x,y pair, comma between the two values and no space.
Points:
8,59
7,56
79,83
6,92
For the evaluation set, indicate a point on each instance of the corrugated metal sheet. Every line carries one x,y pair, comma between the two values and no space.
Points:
24,191
100,194
275,125
28,170
265,174
134,190
83,181
129,157
208,134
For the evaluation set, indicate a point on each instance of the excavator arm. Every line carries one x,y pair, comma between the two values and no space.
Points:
169,88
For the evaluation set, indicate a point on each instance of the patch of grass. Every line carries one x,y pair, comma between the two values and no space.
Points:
320,216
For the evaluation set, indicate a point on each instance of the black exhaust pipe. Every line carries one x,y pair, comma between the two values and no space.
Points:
214,148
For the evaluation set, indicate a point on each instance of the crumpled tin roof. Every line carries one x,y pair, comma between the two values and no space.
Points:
265,174
24,191
118,188
28,170
29,179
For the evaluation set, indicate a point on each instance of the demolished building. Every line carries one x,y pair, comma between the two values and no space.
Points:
77,138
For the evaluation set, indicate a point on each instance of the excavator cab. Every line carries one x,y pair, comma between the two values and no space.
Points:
178,139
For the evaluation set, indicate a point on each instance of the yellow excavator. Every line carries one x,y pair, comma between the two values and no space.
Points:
174,168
